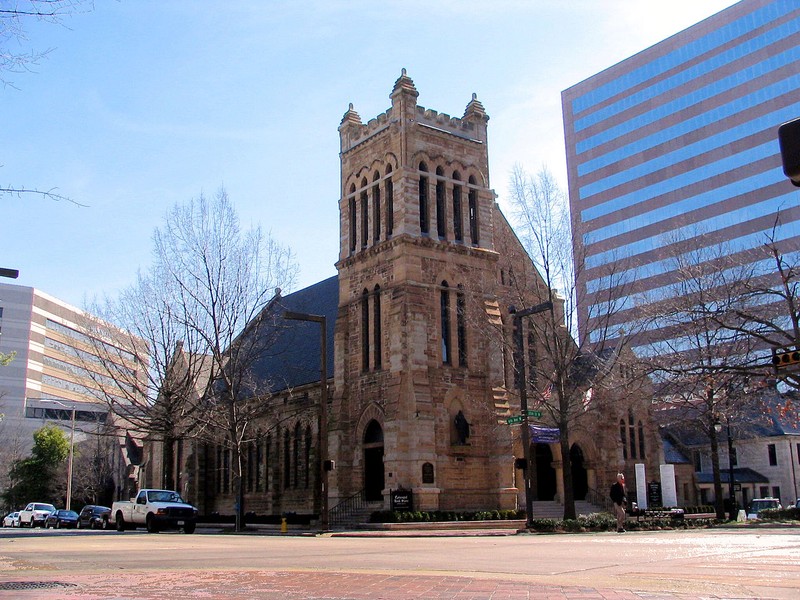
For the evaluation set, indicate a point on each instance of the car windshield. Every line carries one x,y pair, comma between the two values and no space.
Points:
100,510
164,496
68,514
47,507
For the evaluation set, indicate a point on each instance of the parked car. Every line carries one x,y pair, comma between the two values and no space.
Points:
11,520
759,504
34,514
94,516
61,518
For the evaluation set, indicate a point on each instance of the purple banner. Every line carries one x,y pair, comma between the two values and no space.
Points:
544,435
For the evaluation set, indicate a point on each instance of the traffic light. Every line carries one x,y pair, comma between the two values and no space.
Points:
782,359
789,141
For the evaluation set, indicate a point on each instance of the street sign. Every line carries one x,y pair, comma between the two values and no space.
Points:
514,420
535,413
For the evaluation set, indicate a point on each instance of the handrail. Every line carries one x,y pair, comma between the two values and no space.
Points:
346,508
598,499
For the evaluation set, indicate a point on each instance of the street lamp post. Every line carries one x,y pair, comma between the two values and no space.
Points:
322,466
519,350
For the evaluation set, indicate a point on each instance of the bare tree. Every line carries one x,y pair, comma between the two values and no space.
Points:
14,17
224,281
699,364
567,359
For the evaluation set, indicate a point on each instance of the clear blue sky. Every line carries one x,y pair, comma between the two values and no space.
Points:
145,103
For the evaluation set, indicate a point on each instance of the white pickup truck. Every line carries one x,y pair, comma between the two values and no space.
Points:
156,510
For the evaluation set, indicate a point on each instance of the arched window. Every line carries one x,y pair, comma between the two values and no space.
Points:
623,439
473,212
307,459
631,434
365,330
444,310
259,465
353,218
226,470
424,224
376,328
458,230
364,214
641,439
287,460
461,326
389,186
251,466
440,218
376,208
267,450
373,434
296,456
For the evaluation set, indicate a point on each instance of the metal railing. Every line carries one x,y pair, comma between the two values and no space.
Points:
348,507
598,499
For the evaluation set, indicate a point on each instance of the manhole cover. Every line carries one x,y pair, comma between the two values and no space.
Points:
34,585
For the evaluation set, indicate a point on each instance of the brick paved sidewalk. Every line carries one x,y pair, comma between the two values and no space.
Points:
296,585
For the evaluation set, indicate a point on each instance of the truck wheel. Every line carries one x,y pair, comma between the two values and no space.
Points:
152,526
189,528
120,522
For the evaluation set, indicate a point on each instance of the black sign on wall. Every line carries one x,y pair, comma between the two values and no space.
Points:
402,500
653,494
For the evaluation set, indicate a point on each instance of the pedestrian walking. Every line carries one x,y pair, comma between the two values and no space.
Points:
619,496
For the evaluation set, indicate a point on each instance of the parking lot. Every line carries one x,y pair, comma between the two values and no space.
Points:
752,562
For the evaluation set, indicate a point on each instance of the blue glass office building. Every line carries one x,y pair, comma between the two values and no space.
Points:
679,139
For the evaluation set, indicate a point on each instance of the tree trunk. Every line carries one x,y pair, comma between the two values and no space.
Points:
719,504
566,470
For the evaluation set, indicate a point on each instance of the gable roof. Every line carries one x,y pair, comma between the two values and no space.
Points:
294,349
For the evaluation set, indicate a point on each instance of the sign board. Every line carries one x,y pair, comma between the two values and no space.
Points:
545,435
514,420
654,494
402,500
534,413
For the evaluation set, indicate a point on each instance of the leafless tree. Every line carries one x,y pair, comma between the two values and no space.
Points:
223,281
566,359
700,365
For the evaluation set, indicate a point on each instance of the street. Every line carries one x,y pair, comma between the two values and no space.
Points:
753,562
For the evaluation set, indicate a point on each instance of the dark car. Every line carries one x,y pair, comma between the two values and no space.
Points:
94,516
61,518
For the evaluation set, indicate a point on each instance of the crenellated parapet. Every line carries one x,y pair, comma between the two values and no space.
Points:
472,126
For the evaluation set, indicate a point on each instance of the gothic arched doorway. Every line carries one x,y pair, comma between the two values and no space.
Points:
580,483
545,482
373,462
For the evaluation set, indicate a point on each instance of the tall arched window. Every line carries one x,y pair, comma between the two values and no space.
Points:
376,208
631,434
364,214
307,459
251,466
376,328
296,456
389,202
641,439
365,330
441,230
424,224
267,457
287,460
473,212
458,230
623,438
461,326
259,464
353,218
444,309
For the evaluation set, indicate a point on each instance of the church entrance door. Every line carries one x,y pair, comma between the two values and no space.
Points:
580,483
373,462
545,480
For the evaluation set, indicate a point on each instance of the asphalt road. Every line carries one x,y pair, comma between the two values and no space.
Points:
738,563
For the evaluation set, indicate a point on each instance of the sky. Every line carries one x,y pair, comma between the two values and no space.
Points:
142,104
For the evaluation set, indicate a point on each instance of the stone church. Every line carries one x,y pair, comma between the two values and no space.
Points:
420,374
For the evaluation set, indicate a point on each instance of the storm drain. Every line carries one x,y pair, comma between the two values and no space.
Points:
34,585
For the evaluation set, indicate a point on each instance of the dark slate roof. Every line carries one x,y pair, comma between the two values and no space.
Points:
743,475
672,455
293,359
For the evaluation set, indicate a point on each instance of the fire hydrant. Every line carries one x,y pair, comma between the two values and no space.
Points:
284,526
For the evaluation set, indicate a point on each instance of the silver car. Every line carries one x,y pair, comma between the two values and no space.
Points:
11,520
35,514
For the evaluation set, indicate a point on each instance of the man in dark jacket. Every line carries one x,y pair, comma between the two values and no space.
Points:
619,498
